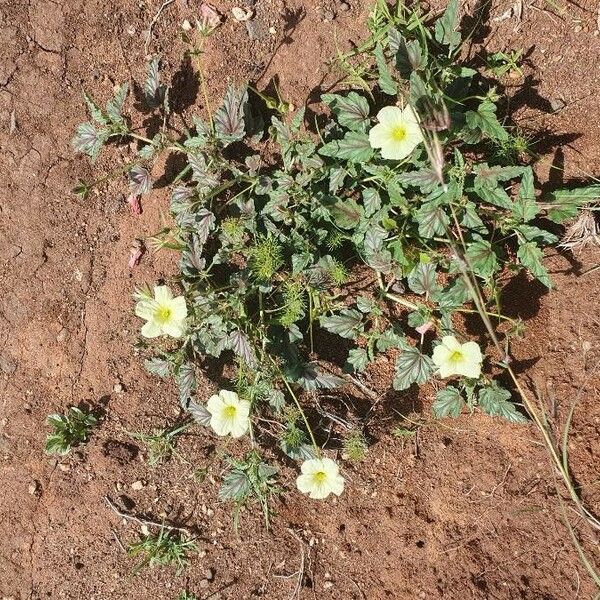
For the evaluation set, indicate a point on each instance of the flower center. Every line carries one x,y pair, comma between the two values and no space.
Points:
320,477
399,133
230,412
456,356
163,314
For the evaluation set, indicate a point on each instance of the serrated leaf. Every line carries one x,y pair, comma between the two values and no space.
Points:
448,402
531,257
425,179
525,207
386,81
445,26
534,234
422,279
352,111
346,213
204,222
199,413
239,343
371,201
490,176
158,366
154,92
236,486
229,118
482,258
412,367
494,401
495,196
390,339
409,57
114,107
347,323
354,147
380,261
311,379
374,239
89,140
485,119
357,360
432,219
186,380
95,111
139,180
336,178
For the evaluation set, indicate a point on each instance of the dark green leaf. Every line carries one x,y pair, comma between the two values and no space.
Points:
445,26
200,413
89,140
347,323
157,366
357,360
139,180
229,118
238,342
448,402
412,367
346,213
531,257
422,279
486,121
354,147
386,81
432,219
482,258
186,380
525,207
114,107
352,110
494,401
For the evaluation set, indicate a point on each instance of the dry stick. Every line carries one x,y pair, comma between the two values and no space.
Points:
296,592
153,23
130,517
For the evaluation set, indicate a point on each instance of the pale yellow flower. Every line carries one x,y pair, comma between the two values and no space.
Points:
454,358
320,477
397,133
164,314
229,414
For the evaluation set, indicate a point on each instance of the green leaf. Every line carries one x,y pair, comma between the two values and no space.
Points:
530,257
199,413
114,107
346,213
493,400
482,258
566,202
229,118
95,111
496,196
354,147
448,402
535,234
386,81
432,219
186,380
490,176
154,92
445,26
525,207
357,360
236,486
422,279
409,57
371,201
89,140
157,366
239,343
336,178
412,367
352,111
139,180
390,339
347,323
486,121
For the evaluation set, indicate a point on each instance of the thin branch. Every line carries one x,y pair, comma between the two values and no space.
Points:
131,517
153,23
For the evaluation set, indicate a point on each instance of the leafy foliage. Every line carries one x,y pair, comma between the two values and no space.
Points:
168,548
274,247
69,430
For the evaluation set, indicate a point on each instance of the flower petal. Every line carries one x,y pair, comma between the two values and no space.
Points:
145,309
215,404
229,397
151,329
390,115
220,424
162,294
179,308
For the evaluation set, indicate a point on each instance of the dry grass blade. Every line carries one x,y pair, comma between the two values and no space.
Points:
584,232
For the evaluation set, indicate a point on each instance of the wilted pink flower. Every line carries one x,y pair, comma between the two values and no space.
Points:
134,204
423,329
137,251
209,18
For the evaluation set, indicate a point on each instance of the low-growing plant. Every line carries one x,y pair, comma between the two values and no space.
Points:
416,183
69,430
168,548
160,443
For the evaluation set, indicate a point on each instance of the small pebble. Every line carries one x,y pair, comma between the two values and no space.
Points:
204,583
344,6
64,467
327,585
577,28
35,489
118,388
209,574
137,485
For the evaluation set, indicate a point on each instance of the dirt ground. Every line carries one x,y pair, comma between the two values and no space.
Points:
467,508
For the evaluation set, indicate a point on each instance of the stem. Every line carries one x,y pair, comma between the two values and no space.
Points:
401,301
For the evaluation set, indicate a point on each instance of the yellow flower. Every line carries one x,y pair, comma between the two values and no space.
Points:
320,477
229,414
397,133
165,314
454,358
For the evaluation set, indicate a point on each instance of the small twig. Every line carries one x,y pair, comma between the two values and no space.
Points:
130,517
361,386
118,540
153,23
298,587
